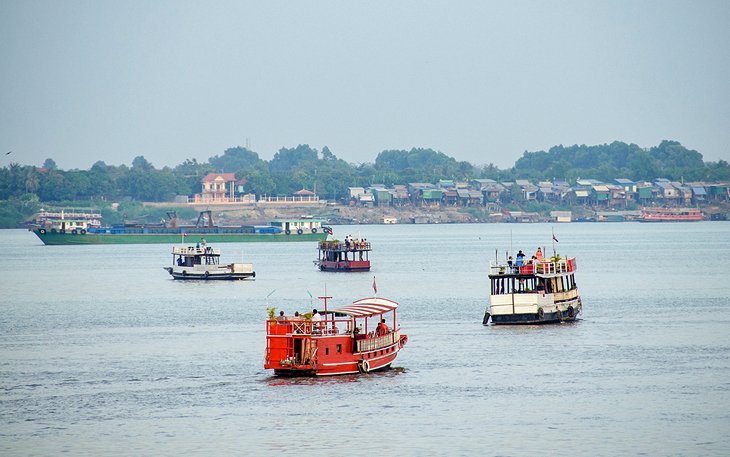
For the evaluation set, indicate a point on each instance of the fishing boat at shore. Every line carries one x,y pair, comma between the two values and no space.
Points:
66,230
350,255
670,215
538,292
357,338
203,262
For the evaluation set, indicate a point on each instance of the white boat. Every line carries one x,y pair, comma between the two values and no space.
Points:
203,262
540,292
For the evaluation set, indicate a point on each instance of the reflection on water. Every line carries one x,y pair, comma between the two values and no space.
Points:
103,357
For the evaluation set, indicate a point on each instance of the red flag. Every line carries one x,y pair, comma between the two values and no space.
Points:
375,286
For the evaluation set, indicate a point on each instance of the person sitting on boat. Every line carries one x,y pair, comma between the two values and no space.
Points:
298,322
520,258
281,317
316,322
382,329
538,255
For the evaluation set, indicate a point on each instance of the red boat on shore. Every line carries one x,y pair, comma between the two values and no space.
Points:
352,255
358,338
670,215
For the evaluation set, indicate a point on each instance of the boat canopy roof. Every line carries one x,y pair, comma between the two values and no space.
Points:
368,307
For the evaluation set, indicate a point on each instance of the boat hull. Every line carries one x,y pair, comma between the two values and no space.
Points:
210,276
357,265
545,312
51,238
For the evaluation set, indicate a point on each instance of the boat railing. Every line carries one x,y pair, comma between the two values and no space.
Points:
370,343
342,246
195,250
301,326
546,266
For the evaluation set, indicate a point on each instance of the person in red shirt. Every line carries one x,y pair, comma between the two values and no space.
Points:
382,329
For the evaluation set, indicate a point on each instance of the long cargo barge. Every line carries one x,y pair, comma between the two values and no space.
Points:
81,230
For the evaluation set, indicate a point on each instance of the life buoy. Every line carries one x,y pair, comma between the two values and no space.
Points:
62,231
74,232
42,231
314,230
571,312
83,231
363,366
300,231
540,313
287,231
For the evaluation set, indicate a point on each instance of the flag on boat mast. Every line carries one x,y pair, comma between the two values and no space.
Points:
375,286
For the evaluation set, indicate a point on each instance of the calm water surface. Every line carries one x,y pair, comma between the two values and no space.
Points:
101,352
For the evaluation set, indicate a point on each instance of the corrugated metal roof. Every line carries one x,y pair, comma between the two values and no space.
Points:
368,307
581,193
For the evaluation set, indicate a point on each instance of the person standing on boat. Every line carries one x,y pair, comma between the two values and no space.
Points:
316,322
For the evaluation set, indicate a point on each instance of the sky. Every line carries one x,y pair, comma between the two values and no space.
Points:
482,81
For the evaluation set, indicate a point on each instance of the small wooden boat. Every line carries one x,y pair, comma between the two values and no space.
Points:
203,262
540,292
351,255
358,338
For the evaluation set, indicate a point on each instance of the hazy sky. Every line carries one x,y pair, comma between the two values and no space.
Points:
82,81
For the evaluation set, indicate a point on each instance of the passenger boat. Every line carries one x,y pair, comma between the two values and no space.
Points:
352,339
670,215
203,262
352,255
540,292
69,231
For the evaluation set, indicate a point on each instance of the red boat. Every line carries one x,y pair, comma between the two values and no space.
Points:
353,339
351,255
670,215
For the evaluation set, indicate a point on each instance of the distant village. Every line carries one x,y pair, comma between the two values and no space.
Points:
587,199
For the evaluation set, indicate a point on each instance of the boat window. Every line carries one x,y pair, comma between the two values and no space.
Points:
339,348
326,351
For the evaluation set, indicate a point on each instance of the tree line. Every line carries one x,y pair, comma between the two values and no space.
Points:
300,167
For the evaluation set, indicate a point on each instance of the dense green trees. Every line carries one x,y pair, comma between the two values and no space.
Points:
302,166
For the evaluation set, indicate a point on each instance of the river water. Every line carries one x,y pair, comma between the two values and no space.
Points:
101,352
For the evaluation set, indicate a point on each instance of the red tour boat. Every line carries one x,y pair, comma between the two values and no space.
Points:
353,339
352,255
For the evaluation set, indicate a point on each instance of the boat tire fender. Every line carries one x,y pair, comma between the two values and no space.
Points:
540,313
287,231
571,312
314,230
82,231
363,366
184,273
253,275
300,231
206,274
62,231
42,231
53,230
74,232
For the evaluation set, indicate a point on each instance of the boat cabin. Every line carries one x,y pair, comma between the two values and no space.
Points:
188,256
